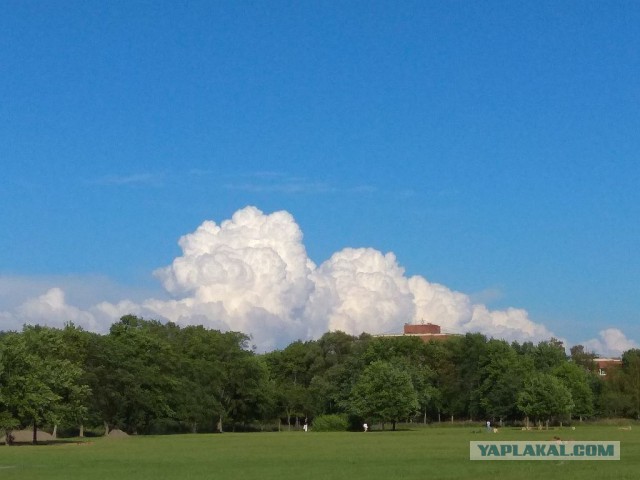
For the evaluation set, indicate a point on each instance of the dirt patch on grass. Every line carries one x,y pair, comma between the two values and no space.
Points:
26,436
117,433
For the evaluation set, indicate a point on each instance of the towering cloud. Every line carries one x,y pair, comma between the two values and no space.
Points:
252,274
360,290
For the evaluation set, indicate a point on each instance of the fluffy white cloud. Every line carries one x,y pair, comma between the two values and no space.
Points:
455,313
252,274
52,310
435,303
360,290
612,343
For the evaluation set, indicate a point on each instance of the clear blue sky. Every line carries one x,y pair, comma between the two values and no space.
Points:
494,147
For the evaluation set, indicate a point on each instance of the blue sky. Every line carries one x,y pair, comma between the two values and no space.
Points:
493,147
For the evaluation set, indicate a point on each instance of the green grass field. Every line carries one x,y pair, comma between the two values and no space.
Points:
421,453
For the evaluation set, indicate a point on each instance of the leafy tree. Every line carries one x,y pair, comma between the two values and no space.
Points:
548,355
240,377
463,375
37,387
502,373
132,375
631,378
7,421
544,396
423,379
67,344
328,391
291,371
440,359
337,346
343,360
576,379
524,348
409,354
408,348
314,378
383,392
247,389
583,358
613,400
199,352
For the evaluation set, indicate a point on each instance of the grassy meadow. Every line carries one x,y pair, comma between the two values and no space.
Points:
416,453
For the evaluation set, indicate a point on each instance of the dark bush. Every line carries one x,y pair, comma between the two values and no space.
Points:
330,423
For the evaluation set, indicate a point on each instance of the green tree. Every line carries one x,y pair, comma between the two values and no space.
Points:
342,363
439,358
576,379
197,400
329,390
631,379
231,354
383,392
7,421
338,346
248,391
548,355
132,375
463,374
544,397
409,354
583,358
502,376
291,371
67,344
37,387
613,400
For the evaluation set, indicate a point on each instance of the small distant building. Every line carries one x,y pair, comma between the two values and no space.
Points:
604,365
425,331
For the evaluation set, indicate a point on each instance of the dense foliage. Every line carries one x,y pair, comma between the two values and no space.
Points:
145,376
330,423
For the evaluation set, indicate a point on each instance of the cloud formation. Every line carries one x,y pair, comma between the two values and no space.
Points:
251,273
612,343
53,309
145,179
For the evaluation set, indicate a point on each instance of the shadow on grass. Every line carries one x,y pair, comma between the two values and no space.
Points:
48,443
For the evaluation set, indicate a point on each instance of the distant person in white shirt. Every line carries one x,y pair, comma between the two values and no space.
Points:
366,427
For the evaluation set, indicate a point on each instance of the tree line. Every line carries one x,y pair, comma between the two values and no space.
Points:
146,376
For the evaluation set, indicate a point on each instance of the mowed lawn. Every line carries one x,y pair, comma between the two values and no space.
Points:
420,453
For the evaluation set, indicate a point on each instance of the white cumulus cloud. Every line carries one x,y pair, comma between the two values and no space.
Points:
52,310
360,290
251,273
611,343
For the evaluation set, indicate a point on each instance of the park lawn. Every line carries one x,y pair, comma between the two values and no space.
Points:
417,453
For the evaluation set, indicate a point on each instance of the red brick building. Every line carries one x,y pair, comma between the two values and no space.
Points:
603,365
425,331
